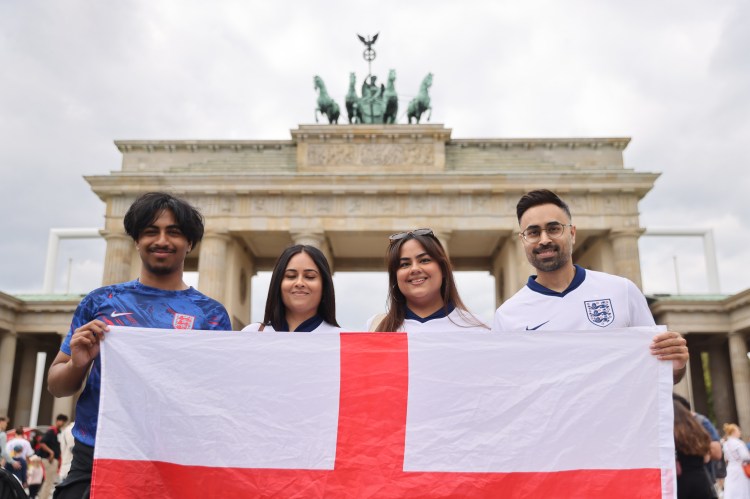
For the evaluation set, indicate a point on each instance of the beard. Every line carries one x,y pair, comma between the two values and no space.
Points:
162,269
549,264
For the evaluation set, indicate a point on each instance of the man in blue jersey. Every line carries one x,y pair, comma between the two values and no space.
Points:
165,229
564,296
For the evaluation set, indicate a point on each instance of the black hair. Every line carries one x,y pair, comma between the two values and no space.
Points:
539,197
275,315
61,417
147,208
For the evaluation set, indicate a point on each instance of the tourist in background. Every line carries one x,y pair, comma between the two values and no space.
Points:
67,442
34,476
5,456
300,295
736,484
692,445
49,451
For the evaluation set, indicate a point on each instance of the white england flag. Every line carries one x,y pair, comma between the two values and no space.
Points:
194,414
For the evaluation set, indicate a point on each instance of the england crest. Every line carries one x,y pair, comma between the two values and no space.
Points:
600,312
183,321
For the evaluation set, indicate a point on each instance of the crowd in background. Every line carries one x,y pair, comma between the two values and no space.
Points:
707,464
38,459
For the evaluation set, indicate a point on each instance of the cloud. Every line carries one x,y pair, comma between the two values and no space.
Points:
78,76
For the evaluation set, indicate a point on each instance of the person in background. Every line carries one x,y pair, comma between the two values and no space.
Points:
49,451
34,476
692,445
17,456
20,439
65,437
300,296
422,293
736,484
5,456
713,433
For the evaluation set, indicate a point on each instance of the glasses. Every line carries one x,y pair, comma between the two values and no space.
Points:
553,230
415,232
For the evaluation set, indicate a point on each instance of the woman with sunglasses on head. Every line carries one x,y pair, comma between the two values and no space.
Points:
422,293
300,295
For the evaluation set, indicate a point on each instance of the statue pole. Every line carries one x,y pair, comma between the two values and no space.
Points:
369,55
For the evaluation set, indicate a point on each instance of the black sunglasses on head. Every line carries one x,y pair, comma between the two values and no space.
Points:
416,232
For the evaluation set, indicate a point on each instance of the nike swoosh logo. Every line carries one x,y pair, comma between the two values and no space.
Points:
118,314
535,327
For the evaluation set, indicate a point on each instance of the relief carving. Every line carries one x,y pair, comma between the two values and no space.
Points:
370,154
331,154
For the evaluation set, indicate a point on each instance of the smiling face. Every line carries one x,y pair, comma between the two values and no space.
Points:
162,246
419,279
548,254
301,287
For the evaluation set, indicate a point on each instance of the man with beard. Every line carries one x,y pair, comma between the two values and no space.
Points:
567,297
165,229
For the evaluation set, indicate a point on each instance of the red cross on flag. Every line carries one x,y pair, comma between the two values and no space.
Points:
195,414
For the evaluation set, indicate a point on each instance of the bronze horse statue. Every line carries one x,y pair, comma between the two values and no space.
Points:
421,102
391,100
326,105
352,101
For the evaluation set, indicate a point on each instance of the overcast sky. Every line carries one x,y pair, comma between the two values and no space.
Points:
674,76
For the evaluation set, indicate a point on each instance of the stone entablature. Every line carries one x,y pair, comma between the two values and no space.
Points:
37,313
715,314
347,187
366,149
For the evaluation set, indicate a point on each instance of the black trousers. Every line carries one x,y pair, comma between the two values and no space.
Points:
78,482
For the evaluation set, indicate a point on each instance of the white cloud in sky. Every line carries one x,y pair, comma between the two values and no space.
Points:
78,75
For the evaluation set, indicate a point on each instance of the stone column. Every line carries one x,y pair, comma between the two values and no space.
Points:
721,383
740,377
510,268
627,259
64,405
699,397
8,342
119,254
212,265
317,239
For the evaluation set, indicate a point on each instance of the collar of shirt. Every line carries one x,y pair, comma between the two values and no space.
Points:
307,326
578,279
443,312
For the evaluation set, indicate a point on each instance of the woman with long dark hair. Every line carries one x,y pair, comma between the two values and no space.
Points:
422,294
300,295
692,444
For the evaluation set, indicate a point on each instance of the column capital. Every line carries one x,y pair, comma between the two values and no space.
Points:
110,235
309,238
217,234
628,232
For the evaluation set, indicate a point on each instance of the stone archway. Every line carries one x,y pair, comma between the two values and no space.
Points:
344,188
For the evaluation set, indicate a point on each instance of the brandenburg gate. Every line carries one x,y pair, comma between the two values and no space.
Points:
344,188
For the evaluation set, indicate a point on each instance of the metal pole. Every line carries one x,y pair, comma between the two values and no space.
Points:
713,267
53,244
709,251
676,274
70,271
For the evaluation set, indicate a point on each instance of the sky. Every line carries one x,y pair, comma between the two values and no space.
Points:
673,76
